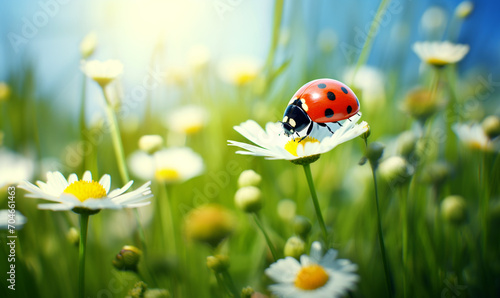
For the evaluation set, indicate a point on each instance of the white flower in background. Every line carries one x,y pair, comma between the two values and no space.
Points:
439,53
240,70
172,165
475,138
85,194
198,57
187,120
14,167
371,82
464,9
88,45
434,19
327,40
272,143
103,72
150,143
7,218
316,275
176,75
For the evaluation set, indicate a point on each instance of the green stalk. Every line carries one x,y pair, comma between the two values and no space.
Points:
120,157
83,127
367,46
404,219
381,236
84,222
307,170
268,240
278,9
230,283
116,138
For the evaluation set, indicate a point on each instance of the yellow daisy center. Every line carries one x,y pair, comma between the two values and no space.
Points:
84,190
292,145
311,277
167,175
192,128
437,61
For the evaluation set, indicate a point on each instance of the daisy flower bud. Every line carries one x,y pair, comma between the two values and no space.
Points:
464,9
249,178
374,152
491,126
421,103
127,259
209,224
150,143
302,226
218,263
247,292
294,247
454,209
248,199
88,45
436,173
4,91
138,291
396,170
286,209
406,144
73,236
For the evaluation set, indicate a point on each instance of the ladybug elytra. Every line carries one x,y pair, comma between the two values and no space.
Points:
320,101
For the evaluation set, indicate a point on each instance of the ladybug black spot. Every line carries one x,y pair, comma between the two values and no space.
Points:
328,113
343,89
349,109
321,86
330,95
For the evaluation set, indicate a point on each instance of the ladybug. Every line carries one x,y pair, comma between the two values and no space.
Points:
320,101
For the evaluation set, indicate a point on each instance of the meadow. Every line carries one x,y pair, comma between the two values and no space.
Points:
398,199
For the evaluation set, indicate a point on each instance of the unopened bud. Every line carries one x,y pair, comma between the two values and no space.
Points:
491,126
73,236
294,247
374,152
218,263
88,45
248,199
138,291
247,292
302,226
464,9
406,143
453,209
396,170
249,178
150,143
127,259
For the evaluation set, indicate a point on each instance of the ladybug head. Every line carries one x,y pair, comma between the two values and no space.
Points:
295,119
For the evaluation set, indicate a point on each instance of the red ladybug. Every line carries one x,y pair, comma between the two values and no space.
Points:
320,101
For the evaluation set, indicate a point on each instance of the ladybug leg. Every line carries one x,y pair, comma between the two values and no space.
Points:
324,125
340,124
309,129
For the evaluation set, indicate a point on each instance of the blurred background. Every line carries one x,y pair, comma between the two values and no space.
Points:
239,60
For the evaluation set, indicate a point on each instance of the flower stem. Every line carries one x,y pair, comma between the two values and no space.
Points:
230,283
381,236
116,138
307,170
120,157
367,46
84,222
83,128
268,240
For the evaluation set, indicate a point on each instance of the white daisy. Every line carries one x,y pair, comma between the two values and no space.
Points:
187,119
103,72
173,165
474,137
14,167
272,143
240,70
85,195
438,53
316,275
